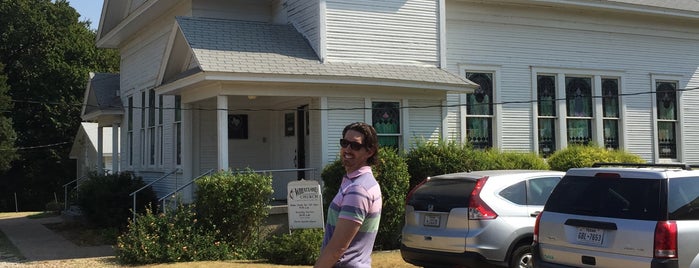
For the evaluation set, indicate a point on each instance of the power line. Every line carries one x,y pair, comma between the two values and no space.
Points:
335,109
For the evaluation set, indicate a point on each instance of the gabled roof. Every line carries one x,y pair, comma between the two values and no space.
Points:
241,48
87,136
102,97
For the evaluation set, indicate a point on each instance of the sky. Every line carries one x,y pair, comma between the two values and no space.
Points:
89,10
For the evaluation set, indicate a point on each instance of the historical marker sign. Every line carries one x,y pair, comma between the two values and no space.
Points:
305,205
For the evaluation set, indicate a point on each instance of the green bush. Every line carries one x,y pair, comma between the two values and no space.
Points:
430,158
301,247
577,156
392,174
55,207
173,236
105,200
495,159
236,204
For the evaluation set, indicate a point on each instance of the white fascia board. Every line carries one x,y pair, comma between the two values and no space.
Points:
620,6
311,79
272,78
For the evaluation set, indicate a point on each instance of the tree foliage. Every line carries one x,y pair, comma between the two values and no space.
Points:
7,133
48,54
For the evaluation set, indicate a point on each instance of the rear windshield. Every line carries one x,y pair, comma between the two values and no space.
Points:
442,194
638,199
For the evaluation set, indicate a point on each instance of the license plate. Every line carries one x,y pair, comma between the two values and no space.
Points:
431,220
592,236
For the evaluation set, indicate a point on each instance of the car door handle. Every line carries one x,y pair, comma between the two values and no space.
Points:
535,213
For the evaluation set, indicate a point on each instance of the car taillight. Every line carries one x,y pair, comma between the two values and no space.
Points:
665,244
412,191
536,227
477,209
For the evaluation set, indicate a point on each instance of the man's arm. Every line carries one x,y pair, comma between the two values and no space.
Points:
345,230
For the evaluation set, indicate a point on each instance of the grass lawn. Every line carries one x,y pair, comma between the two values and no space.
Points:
88,237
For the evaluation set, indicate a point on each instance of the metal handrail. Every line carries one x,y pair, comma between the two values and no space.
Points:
133,194
65,189
183,186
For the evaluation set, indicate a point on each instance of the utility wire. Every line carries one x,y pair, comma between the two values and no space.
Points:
336,109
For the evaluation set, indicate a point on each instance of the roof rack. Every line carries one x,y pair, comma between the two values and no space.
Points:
682,166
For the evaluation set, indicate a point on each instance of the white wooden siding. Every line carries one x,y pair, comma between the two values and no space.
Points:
691,123
519,40
237,10
339,118
305,16
389,31
425,121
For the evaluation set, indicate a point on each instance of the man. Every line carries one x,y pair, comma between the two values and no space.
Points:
354,213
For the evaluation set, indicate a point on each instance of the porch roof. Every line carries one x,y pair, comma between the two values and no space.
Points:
254,49
102,97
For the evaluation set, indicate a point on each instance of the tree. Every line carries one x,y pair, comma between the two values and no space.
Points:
48,54
7,132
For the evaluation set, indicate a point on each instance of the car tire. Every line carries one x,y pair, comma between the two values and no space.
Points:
521,257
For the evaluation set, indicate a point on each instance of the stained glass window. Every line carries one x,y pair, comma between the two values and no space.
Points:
579,110
479,111
610,109
546,107
666,103
386,120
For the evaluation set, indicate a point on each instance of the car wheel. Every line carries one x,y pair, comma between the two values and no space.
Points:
521,257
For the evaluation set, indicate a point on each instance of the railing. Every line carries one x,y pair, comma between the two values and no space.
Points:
173,193
133,194
65,189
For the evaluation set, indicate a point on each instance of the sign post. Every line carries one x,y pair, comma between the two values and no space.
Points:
305,203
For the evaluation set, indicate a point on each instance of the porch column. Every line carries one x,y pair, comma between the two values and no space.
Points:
187,161
115,148
100,150
222,120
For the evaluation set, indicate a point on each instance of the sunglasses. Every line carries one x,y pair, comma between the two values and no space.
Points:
352,144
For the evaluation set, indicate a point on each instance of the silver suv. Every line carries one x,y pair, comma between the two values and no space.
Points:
621,215
475,218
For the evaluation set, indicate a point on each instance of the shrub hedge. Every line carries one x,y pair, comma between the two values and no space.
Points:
300,247
577,156
430,158
105,200
236,204
173,236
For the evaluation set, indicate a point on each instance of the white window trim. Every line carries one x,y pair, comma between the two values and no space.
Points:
496,70
130,125
403,113
561,114
680,117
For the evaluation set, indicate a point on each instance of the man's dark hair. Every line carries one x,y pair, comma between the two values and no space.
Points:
370,138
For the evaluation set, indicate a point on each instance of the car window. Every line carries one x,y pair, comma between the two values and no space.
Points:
683,199
623,198
442,194
515,193
539,189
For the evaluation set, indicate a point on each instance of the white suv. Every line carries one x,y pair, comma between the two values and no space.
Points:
621,215
475,218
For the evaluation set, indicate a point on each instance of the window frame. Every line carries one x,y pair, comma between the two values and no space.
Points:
561,117
129,129
401,120
679,122
495,117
